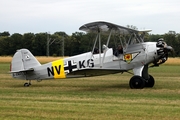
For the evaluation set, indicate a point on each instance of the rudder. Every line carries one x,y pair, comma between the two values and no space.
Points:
23,60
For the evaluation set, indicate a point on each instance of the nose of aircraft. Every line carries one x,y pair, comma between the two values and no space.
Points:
162,51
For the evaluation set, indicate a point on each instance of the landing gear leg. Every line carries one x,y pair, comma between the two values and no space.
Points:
149,80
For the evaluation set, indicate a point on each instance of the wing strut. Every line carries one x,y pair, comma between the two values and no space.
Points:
99,49
98,38
109,37
94,45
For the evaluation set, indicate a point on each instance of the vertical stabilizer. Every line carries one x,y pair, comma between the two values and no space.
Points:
23,60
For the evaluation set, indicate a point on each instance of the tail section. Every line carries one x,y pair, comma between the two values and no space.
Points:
23,60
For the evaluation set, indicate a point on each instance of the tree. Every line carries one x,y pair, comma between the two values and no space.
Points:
39,44
77,43
55,44
5,33
172,40
154,38
14,43
177,48
6,45
27,41
80,43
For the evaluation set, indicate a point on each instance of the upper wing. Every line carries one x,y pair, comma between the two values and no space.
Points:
106,27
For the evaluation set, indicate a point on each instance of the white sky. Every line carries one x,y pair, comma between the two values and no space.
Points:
23,16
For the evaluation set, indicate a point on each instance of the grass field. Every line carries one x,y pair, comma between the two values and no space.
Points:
95,98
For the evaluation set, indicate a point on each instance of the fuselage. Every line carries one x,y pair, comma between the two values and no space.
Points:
89,64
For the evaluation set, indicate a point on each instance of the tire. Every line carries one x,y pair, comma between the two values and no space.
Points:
26,84
137,82
150,82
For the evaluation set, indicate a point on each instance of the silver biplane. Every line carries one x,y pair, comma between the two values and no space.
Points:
132,54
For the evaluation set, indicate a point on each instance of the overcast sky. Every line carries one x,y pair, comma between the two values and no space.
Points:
23,16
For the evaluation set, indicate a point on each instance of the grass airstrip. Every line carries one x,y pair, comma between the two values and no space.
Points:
94,98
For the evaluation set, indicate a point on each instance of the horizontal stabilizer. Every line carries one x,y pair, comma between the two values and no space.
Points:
31,69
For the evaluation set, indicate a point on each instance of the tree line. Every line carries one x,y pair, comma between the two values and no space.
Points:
61,44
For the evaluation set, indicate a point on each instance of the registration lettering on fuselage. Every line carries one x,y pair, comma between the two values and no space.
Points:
59,68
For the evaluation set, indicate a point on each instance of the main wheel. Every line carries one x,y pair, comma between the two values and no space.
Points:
150,82
137,82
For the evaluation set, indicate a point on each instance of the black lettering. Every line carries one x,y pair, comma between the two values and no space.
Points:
90,63
18,74
81,64
50,71
58,69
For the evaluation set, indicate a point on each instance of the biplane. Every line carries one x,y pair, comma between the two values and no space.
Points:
132,54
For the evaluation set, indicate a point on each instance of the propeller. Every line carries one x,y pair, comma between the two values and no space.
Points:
163,51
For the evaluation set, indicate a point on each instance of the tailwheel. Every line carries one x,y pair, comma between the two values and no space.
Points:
27,84
137,82
150,82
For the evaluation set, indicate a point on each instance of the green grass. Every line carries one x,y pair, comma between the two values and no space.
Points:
94,98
